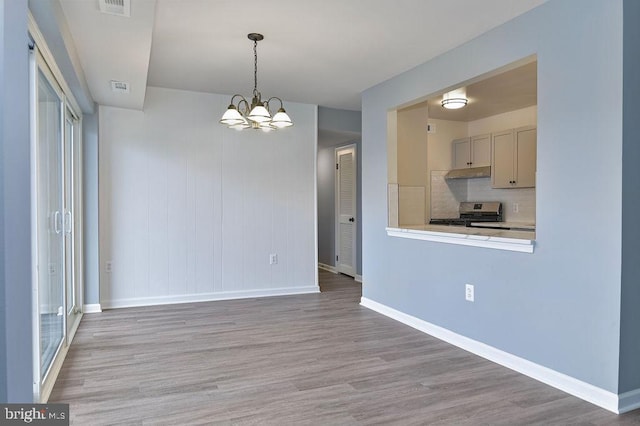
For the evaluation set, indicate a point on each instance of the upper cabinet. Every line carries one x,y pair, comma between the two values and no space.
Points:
514,158
472,152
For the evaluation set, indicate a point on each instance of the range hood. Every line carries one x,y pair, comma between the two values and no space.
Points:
470,173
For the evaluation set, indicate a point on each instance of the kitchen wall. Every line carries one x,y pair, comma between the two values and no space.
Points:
439,151
509,120
445,195
412,165
558,307
191,210
439,157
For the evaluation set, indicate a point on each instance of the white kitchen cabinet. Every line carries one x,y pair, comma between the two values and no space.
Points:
513,162
471,152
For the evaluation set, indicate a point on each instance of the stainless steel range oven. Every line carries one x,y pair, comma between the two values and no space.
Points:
472,212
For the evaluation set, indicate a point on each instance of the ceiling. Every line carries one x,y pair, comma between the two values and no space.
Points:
323,53
501,92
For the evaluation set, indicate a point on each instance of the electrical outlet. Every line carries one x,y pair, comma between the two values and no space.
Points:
431,128
108,267
516,207
469,292
273,259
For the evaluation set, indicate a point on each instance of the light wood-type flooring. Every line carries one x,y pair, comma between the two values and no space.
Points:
318,359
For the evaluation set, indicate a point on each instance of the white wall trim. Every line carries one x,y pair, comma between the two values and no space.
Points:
92,308
326,267
595,395
358,278
207,297
500,243
629,401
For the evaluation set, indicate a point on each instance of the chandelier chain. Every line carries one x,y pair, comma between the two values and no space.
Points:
255,66
258,113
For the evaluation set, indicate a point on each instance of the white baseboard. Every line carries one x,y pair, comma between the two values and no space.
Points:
327,267
358,278
92,308
595,395
629,401
206,297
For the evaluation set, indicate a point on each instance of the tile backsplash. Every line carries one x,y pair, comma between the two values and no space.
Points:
445,196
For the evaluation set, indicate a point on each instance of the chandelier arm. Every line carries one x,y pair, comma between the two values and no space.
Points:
237,96
246,109
275,97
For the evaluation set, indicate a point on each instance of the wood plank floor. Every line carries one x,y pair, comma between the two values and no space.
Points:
318,359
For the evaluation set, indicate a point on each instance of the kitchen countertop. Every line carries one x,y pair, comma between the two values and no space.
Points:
501,239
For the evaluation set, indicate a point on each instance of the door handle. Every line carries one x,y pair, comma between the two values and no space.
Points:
56,218
67,223
351,219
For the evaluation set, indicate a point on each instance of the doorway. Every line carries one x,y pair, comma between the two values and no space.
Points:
346,210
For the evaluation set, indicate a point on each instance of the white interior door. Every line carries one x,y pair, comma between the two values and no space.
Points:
346,210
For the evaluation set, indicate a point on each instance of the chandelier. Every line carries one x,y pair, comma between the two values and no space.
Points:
257,114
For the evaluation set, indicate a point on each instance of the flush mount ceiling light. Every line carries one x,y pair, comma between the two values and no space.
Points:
455,99
256,115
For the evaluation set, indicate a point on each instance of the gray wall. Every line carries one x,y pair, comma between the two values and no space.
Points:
326,206
339,120
90,188
16,348
630,321
3,334
560,306
337,127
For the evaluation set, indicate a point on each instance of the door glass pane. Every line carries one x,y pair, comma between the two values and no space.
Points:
50,223
68,215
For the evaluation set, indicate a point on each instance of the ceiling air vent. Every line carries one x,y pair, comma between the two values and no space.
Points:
119,86
116,7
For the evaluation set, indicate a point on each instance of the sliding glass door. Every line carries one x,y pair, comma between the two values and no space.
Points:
50,218
56,220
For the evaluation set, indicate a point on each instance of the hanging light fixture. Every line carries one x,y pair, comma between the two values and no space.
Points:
455,99
255,115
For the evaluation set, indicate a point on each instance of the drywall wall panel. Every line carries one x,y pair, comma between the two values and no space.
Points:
560,306
191,210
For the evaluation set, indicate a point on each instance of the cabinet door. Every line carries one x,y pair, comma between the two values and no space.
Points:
525,167
503,157
481,150
461,154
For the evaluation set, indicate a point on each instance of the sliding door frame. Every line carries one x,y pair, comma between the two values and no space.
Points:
41,60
